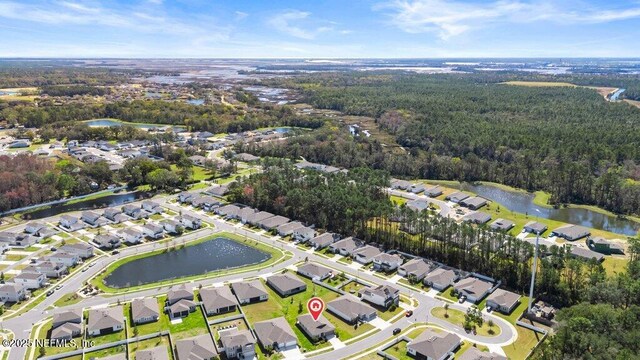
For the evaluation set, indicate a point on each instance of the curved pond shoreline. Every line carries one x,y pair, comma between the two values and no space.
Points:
523,202
207,256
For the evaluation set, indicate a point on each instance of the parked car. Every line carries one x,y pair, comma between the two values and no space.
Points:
115,252
50,292
396,331
409,313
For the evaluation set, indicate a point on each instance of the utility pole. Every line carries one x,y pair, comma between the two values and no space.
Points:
533,271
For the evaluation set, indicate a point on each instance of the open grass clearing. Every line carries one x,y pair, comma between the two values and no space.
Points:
456,317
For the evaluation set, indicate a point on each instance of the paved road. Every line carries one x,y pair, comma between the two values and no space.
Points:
21,325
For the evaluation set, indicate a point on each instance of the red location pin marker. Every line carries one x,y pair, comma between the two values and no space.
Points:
315,306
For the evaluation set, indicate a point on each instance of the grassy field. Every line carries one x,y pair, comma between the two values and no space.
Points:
456,317
192,325
398,200
106,352
276,255
290,307
148,344
68,299
399,351
526,341
615,264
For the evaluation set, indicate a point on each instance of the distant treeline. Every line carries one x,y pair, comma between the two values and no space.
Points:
567,141
72,90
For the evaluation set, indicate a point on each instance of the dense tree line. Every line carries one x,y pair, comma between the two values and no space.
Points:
28,74
338,202
568,141
73,90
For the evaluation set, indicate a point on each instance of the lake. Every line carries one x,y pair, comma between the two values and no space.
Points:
102,202
522,202
110,123
211,255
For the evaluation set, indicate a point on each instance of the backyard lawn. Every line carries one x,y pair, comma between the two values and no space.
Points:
67,299
148,344
520,349
148,328
106,352
288,307
192,325
399,351
52,350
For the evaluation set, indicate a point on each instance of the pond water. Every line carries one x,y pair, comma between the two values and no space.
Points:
105,201
196,101
211,255
523,203
110,123
6,93
616,95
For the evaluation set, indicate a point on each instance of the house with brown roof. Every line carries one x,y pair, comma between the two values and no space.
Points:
248,292
105,321
66,324
440,278
154,353
473,288
415,269
351,310
144,310
314,271
196,348
365,254
237,344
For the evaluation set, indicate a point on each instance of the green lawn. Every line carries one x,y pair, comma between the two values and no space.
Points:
148,328
398,200
148,344
239,324
224,315
344,330
515,314
192,325
68,299
106,352
108,338
456,317
520,349
615,265
52,350
353,287
447,295
399,351
288,307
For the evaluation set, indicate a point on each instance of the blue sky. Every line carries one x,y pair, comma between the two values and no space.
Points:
319,28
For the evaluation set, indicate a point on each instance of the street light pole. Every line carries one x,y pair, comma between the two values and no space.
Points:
533,271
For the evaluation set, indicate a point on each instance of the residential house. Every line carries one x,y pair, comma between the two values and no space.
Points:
272,222
135,212
144,310
228,211
34,227
70,223
171,226
256,217
218,300
456,197
21,240
474,203
154,353
365,254
433,191
181,292
245,213
318,330
344,247
351,310
152,207
198,160
206,203
432,345
50,269
314,271
584,254
477,217
502,225
153,231
417,205
190,222
571,232
286,284
12,292
105,321
276,334
181,308
400,184
131,236
237,344
84,251
64,258
30,281
473,288
111,213
304,234
249,291
66,325
503,301
386,262
415,269
106,241
186,197
200,347
603,246
382,295
91,218
323,240
245,157
417,188
217,191
288,228
535,227
440,278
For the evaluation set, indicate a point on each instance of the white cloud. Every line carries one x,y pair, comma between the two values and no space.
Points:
241,15
452,18
290,22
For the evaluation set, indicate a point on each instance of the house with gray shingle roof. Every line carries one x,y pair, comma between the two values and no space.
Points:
456,197
154,353
196,348
440,278
178,293
345,246
416,269
218,300
288,228
105,321
476,354
365,254
323,240
276,333
314,271
351,309
503,301
144,310
249,292
473,288
433,345
286,284
66,324
238,344
321,329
